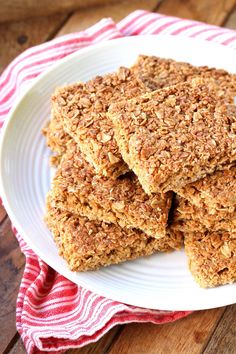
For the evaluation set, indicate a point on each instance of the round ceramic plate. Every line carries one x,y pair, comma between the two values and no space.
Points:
161,281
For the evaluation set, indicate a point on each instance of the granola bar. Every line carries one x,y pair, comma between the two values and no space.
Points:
158,72
212,257
216,192
78,189
189,218
176,135
155,73
88,245
83,107
56,138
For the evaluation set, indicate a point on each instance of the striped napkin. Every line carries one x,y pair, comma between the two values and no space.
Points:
53,314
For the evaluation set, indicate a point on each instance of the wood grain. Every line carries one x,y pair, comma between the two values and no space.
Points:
18,36
18,347
11,265
188,335
15,38
224,338
231,20
13,10
84,18
3,213
210,11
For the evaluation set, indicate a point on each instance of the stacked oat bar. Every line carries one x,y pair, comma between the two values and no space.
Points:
145,158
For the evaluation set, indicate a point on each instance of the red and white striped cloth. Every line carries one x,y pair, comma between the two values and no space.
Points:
53,314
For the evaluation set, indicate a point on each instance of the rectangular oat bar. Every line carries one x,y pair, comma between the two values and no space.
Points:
56,138
211,257
82,107
216,192
78,189
155,73
189,218
158,73
176,135
88,245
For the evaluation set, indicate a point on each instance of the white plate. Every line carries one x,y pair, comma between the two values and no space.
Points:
161,281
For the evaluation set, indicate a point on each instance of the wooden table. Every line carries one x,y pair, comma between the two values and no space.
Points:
211,331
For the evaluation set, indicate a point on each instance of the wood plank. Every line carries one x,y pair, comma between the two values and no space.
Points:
18,347
224,338
15,10
15,38
11,265
211,11
188,335
231,21
84,18
101,346
18,36
3,213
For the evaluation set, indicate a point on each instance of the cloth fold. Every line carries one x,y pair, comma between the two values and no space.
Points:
53,314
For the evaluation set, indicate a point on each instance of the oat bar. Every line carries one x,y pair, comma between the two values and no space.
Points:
176,135
78,189
83,107
56,138
158,72
216,192
155,73
212,257
88,245
189,218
